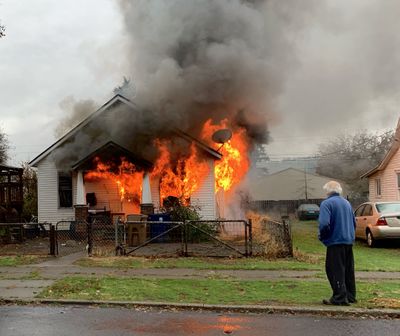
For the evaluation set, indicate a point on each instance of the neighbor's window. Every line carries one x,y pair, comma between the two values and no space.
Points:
378,187
398,180
65,189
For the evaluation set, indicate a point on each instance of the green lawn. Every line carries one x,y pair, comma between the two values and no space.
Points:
19,260
200,263
309,255
217,291
385,258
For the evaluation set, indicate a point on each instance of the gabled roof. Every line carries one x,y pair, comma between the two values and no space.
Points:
289,184
116,100
393,149
202,145
112,149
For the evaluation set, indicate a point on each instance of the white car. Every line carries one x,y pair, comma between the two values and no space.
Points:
378,221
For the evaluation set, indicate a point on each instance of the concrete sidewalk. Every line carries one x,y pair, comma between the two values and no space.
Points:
23,283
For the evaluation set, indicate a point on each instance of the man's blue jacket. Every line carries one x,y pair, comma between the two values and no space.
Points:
336,221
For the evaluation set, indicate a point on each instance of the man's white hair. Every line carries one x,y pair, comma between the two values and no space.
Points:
333,187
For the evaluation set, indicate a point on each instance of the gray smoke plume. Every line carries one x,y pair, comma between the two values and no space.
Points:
75,112
196,60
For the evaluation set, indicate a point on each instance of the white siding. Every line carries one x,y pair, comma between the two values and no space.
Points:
48,209
388,176
204,197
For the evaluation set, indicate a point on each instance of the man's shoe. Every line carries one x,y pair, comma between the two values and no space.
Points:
353,301
330,303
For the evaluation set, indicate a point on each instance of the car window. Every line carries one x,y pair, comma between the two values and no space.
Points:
388,207
311,207
367,210
359,210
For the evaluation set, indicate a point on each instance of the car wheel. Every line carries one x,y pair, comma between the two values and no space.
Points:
370,239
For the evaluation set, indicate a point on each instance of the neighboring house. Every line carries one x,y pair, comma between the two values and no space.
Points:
384,179
289,184
62,169
285,190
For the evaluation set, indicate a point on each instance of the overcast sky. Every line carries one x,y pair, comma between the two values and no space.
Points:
345,74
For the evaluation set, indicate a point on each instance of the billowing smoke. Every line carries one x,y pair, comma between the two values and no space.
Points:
75,112
195,60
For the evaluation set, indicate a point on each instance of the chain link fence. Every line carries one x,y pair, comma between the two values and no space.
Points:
104,236
70,237
272,238
189,238
24,238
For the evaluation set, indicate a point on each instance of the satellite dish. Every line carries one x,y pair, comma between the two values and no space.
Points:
221,136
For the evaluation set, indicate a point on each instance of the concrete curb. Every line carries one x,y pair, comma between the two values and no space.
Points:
259,309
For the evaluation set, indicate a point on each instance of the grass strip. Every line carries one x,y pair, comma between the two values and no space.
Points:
200,263
217,291
19,260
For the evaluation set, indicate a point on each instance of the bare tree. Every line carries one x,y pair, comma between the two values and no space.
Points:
29,180
4,147
347,157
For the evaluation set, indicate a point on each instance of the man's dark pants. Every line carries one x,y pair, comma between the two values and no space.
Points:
339,268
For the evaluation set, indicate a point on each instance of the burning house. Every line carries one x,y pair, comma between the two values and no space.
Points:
136,174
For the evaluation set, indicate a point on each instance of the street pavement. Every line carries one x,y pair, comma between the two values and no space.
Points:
69,320
23,283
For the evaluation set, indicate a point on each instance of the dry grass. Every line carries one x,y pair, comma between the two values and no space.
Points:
269,245
103,251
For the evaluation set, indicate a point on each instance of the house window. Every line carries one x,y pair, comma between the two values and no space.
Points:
65,190
398,180
378,187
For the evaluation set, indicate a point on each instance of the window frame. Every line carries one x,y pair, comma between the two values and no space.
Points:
378,186
65,190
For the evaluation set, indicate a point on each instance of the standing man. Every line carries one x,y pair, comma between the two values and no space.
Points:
336,231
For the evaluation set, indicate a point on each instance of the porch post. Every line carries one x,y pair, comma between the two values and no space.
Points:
146,192
146,207
80,190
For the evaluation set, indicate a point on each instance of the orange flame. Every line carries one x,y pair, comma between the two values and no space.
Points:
182,178
235,163
126,177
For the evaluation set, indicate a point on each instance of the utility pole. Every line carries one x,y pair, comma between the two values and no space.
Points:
305,180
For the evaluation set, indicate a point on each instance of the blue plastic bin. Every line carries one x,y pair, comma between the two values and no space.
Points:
158,228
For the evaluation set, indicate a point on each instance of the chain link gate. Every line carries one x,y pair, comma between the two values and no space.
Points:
189,238
218,238
70,237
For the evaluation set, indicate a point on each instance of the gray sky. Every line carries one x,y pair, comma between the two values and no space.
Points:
345,73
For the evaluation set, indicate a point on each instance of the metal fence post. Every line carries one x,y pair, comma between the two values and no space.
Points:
53,240
89,238
246,239
250,237
185,230
288,230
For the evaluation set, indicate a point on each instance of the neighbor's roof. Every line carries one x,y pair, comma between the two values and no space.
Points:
289,184
117,99
393,149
